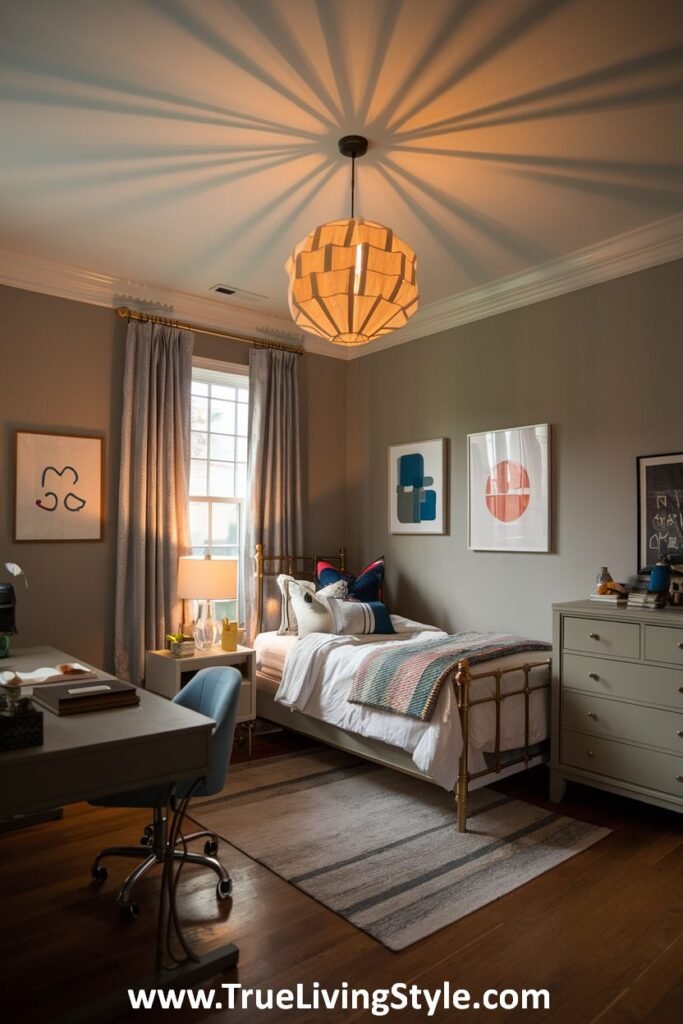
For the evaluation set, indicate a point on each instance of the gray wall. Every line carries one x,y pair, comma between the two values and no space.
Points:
604,366
61,365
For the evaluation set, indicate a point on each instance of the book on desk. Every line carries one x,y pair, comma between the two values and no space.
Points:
78,698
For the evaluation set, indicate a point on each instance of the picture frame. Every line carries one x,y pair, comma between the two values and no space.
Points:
660,508
418,487
58,487
508,485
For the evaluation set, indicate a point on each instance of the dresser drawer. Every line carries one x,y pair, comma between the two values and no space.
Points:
664,643
652,769
617,720
623,680
602,636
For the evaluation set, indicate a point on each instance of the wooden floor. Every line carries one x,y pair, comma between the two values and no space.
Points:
602,932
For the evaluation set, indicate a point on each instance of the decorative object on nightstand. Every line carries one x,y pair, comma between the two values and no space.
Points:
8,601
617,702
166,674
207,580
21,725
229,635
180,645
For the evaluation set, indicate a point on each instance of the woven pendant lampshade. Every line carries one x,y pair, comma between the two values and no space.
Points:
353,280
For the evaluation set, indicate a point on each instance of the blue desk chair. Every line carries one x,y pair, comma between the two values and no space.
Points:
213,692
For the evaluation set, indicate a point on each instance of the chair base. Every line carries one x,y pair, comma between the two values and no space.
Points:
154,850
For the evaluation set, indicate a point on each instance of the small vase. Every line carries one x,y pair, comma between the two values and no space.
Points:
4,646
604,576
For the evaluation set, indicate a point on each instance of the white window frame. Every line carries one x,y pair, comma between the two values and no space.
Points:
221,369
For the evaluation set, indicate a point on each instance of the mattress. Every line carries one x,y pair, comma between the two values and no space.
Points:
317,679
271,653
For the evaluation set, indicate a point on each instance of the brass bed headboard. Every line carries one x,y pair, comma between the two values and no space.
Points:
302,566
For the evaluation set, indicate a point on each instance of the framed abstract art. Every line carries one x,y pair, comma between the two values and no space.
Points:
509,489
59,481
418,487
660,509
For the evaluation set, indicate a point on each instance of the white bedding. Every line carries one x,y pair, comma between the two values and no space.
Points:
317,676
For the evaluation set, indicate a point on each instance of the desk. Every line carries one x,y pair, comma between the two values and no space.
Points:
95,754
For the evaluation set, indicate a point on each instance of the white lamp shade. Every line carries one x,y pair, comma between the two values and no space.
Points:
207,579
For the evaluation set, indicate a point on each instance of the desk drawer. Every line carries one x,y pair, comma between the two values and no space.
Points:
664,643
602,636
652,769
623,680
615,719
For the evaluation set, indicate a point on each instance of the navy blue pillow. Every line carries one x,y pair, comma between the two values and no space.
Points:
367,586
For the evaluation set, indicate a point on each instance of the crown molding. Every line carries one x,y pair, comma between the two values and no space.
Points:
624,254
38,274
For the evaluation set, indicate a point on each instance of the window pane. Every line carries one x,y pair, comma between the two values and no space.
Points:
199,526
199,389
241,449
199,445
242,395
240,479
223,447
198,477
242,416
221,480
218,391
200,413
223,416
226,526
225,609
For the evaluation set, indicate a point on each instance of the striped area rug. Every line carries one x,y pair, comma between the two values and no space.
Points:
380,848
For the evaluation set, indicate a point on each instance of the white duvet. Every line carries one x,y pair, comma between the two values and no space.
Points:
317,678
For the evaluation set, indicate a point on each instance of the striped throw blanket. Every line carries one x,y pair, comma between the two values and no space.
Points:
408,677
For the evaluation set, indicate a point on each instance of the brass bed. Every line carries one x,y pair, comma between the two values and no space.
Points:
267,567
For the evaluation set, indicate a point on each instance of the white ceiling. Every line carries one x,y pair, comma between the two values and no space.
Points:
186,143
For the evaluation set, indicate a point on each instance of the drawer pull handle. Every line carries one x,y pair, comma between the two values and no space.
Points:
593,675
680,647
594,636
680,689
591,714
679,778
590,753
680,732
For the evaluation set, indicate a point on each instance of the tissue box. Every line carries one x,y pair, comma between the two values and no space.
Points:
23,730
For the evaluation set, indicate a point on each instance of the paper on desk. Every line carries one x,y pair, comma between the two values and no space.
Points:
74,671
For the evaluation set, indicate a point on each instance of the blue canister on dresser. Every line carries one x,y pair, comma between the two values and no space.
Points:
660,578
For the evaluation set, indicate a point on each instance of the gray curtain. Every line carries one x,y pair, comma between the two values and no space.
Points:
274,484
153,489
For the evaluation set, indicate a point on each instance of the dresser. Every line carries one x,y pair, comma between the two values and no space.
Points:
617,701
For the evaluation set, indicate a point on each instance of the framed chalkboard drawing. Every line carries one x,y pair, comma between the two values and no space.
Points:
58,487
660,509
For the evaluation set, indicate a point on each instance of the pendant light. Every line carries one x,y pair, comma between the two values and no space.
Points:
353,280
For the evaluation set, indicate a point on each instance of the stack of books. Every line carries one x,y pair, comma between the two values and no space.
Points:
643,599
75,699
617,599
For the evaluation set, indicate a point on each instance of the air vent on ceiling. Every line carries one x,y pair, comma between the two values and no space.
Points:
239,293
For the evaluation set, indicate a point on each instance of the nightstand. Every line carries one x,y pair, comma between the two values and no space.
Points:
166,675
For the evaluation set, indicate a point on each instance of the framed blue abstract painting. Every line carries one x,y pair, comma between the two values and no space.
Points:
418,491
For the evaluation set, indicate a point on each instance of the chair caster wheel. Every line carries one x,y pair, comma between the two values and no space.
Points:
145,840
129,911
99,874
211,847
149,831
224,889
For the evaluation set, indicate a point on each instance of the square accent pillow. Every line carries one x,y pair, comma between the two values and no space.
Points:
312,610
358,617
367,586
288,624
288,585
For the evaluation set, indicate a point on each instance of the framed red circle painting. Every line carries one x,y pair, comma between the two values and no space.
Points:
509,489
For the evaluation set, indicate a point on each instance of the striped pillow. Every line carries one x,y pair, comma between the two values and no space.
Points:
359,617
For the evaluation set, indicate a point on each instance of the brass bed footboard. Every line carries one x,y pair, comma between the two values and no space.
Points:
462,681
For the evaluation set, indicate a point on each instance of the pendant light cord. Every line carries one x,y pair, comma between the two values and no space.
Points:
353,183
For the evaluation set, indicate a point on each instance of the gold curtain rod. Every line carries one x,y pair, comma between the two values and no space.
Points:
134,314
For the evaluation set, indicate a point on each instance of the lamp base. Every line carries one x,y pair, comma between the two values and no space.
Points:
206,630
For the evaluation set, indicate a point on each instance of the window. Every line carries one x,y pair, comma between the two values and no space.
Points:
218,470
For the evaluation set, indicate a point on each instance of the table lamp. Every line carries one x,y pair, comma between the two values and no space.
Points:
207,580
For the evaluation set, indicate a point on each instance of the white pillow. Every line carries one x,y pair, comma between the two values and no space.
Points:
356,618
288,624
288,620
312,609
